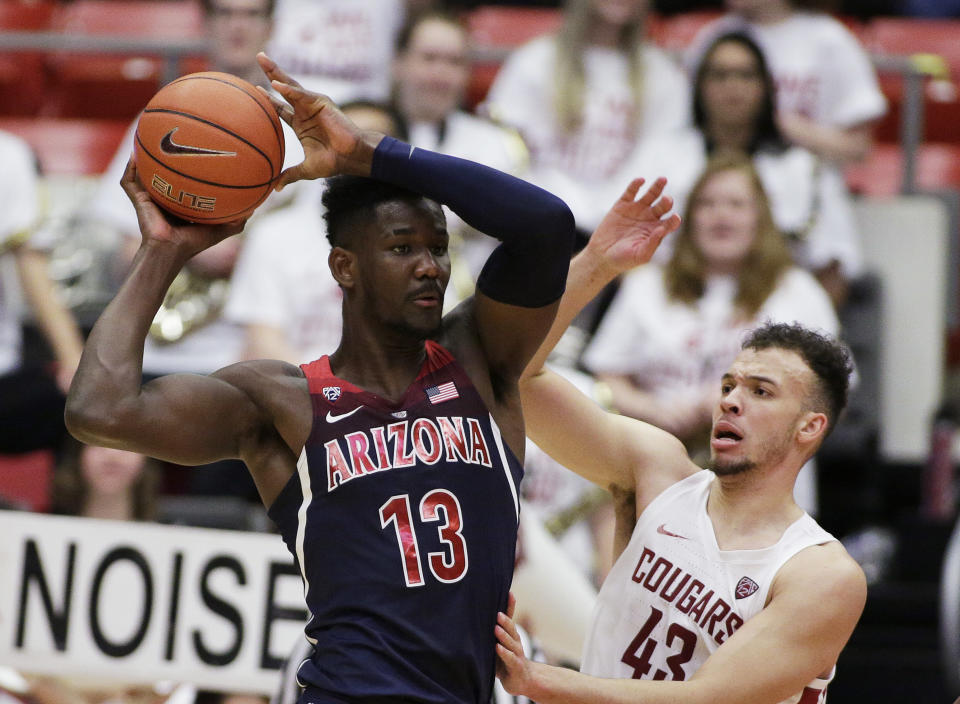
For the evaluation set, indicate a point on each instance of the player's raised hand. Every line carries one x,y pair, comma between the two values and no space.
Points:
633,228
332,144
156,225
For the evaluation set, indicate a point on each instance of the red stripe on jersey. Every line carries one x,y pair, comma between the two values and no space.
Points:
812,696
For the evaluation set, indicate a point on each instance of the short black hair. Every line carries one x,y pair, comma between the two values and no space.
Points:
828,359
347,197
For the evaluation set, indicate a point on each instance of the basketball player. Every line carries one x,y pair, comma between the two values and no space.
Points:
391,466
724,588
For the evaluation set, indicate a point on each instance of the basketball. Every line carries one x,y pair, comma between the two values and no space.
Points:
209,147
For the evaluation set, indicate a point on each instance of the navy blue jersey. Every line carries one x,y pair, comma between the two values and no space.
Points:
403,520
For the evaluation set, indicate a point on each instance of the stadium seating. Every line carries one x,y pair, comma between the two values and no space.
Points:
934,46
25,480
881,175
115,85
497,30
67,147
676,32
22,77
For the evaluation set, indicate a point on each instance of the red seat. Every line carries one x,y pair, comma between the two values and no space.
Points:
108,85
22,76
906,36
910,37
494,32
25,479
881,175
509,27
676,32
69,146
26,15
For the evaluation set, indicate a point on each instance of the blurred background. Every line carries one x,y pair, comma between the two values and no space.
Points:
862,173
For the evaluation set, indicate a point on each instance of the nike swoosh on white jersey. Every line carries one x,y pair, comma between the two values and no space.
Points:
331,418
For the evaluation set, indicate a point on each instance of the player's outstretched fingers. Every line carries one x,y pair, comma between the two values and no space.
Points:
274,72
631,190
283,109
653,192
663,206
671,224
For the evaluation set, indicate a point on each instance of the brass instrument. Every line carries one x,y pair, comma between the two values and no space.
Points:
191,302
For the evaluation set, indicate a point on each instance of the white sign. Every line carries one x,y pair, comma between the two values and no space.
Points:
142,603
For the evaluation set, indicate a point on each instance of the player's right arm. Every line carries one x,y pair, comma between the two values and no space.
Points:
610,450
188,419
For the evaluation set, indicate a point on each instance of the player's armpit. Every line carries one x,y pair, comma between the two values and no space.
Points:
815,603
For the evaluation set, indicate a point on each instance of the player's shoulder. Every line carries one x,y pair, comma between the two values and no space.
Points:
824,571
262,377
279,392
658,459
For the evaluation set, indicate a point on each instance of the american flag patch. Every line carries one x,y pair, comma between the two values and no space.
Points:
443,392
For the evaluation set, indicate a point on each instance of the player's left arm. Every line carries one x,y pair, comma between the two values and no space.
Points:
816,601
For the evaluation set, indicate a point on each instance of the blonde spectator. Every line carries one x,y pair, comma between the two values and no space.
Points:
672,330
585,97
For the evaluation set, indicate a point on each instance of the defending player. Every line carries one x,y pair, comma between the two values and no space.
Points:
723,586
391,466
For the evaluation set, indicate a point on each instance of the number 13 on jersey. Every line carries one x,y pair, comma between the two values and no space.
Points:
438,506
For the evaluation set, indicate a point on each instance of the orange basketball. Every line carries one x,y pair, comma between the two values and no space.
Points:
209,147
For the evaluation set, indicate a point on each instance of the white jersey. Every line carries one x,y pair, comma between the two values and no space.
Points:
673,596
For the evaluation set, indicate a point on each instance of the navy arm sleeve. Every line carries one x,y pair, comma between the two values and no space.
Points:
536,229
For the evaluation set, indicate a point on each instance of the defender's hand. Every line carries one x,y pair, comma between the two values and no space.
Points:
514,670
158,226
633,228
332,144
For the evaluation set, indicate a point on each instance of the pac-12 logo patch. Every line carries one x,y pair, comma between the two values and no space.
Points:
746,587
331,393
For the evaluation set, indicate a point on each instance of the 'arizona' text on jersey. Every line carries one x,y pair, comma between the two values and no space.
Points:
403,521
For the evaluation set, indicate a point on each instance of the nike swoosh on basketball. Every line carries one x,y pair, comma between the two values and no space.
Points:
331,418
168,146
662,530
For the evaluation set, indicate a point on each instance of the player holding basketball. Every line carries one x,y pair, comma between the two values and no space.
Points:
723,586
391,466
